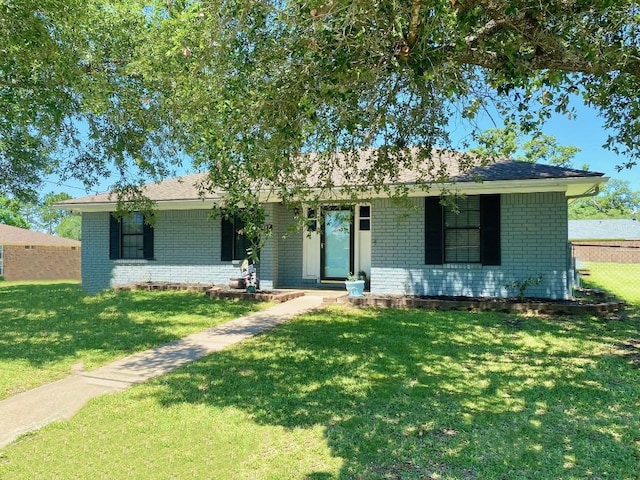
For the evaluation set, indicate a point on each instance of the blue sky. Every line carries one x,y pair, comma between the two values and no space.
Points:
584,131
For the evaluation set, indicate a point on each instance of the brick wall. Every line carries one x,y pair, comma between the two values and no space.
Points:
607,251
35,262
533,239
289,250
187,249
268,266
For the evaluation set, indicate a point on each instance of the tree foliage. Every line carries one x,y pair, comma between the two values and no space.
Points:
70,227
70,102
58,222
510,143
11,214
41,216
249,89
616,200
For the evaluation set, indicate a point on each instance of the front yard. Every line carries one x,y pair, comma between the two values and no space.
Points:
47,328
368,394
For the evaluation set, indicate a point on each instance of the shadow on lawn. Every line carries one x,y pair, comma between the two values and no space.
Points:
44,323
412,394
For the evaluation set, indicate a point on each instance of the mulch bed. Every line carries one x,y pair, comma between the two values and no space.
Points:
277,296
216,291
161,286
592,303
592,306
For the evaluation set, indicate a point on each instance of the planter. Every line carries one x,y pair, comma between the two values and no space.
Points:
237,283
355,288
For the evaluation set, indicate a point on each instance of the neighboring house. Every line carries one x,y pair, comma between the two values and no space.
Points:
614,241
510,226
29,255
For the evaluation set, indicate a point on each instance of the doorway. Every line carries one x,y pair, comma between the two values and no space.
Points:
336,243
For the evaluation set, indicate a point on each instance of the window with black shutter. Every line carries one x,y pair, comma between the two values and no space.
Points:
466,232
130,237
234,242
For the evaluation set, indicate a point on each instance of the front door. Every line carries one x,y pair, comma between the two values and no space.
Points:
336,243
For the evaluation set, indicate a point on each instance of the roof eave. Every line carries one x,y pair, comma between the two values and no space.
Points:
572,187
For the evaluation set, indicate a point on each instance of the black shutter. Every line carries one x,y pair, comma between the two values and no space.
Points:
114,237
147,241
433,231
241,242
490,230
227,240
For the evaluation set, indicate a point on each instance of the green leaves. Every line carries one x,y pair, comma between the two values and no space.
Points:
245,89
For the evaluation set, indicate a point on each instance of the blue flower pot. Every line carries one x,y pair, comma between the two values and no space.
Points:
355,288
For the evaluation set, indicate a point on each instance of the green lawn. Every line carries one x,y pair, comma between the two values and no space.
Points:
621,279
46,328
371,394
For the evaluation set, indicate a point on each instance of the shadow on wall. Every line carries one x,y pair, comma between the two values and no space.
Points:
482,283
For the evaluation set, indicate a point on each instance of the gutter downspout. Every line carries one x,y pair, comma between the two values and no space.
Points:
592,192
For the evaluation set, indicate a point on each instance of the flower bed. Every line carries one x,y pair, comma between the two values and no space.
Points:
216,291
277,296
527,305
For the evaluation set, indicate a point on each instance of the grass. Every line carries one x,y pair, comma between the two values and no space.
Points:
46,328
620,279
371,394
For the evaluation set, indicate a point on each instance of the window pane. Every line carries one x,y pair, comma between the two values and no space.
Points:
311,223
132,224
365,211
132,246
365,224
241,246
462,231
337,243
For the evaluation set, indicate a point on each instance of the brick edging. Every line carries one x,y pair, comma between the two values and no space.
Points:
496,305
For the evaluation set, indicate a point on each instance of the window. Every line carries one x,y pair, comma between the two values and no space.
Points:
470,235
312,221
365,218
234,241
462,231
130,238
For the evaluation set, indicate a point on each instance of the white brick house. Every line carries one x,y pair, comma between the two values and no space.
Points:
511,225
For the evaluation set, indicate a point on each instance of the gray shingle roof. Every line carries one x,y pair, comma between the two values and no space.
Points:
180,188
186,187
615,229
512,170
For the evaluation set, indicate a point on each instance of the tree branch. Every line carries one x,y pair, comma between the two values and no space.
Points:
546,51
414,22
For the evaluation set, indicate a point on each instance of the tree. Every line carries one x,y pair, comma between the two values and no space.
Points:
54,221
512,143
70,227
249,89
50,217
616,200
10,213
69,94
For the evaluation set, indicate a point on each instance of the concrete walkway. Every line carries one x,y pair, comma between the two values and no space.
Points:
61,400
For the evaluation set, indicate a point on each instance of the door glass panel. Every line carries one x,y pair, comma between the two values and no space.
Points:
337,243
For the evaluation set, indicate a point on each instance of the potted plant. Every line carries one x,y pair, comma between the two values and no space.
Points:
354,285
